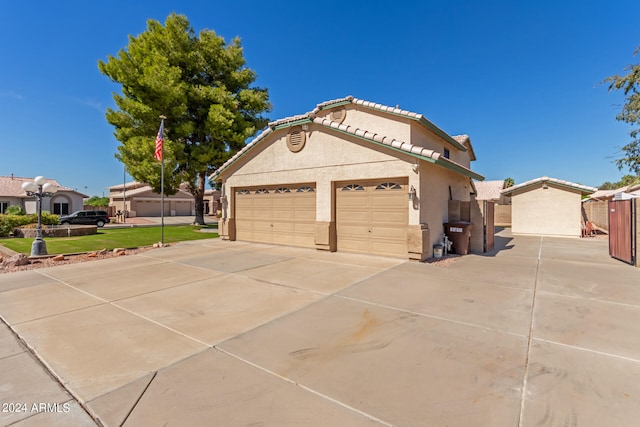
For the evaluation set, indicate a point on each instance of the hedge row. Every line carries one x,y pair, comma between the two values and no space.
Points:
9,222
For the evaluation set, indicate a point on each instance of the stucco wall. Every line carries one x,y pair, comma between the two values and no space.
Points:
74,200
425,138
434,196
396,127
554,211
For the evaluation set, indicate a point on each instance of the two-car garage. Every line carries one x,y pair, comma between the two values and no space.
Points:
370,215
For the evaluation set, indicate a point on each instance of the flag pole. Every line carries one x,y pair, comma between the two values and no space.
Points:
161,136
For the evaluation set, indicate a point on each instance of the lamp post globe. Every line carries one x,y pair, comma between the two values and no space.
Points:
39,188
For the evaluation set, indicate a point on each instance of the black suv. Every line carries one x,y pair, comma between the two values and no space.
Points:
99,218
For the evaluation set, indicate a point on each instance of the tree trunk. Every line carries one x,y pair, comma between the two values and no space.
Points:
198,195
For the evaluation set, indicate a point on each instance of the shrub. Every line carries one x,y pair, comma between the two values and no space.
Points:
9,222
15,210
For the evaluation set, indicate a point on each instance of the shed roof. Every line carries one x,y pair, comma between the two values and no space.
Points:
585,190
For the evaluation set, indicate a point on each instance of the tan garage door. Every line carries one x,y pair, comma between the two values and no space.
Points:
182,208
372,217
150,208
283,214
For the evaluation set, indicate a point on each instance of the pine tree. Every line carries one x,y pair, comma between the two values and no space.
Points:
201,84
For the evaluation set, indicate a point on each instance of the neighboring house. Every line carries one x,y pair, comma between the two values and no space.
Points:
351,176
616,194
64,201
596,206
141,200
547,206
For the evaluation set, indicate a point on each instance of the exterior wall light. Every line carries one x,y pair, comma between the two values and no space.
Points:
412,193
39,188
545,186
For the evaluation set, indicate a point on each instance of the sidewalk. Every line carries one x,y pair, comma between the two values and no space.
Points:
155,221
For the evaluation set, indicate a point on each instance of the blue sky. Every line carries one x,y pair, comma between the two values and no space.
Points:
523,79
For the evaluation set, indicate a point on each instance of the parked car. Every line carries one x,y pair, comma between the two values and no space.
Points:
99,218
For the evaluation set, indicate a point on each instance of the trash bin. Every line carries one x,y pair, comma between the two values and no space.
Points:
459,232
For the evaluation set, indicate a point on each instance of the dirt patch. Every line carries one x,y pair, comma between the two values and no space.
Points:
445,261
69,259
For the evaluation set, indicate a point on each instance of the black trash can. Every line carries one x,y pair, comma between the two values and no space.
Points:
459,232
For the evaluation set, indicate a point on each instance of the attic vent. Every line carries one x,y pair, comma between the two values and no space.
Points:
338,114
296,139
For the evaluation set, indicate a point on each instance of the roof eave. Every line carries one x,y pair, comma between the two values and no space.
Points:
583,191
440,161
442,134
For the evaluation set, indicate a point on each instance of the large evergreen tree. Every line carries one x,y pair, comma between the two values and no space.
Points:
630,85
201,84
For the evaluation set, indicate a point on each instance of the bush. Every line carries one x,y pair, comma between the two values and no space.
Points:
9,222
15,210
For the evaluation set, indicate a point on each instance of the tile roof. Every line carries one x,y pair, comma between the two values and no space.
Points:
310,117
489,190
11,186
140,188
632,189
391,110
466,141
130,184
572,185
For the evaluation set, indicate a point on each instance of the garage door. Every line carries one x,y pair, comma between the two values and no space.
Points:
372,217
182,208
283,214
150,208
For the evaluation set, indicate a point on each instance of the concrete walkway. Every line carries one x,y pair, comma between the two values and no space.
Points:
541,332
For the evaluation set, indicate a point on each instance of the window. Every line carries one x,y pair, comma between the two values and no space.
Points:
389,186
262,191
446,153
3,207
353,187
282,190
61,208
305,189
244,192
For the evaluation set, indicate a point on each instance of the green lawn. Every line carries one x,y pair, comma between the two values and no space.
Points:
111,238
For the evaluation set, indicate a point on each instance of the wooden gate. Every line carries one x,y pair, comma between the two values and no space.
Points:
489,225
621,230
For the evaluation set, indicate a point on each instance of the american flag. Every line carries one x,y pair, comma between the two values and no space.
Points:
159,142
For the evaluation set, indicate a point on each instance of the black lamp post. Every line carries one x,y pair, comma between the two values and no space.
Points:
39,188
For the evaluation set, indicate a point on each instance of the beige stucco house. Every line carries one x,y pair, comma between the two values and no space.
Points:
547,206
351,176
65,201
139,199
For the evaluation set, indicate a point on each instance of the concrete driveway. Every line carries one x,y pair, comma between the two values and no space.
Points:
542,332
